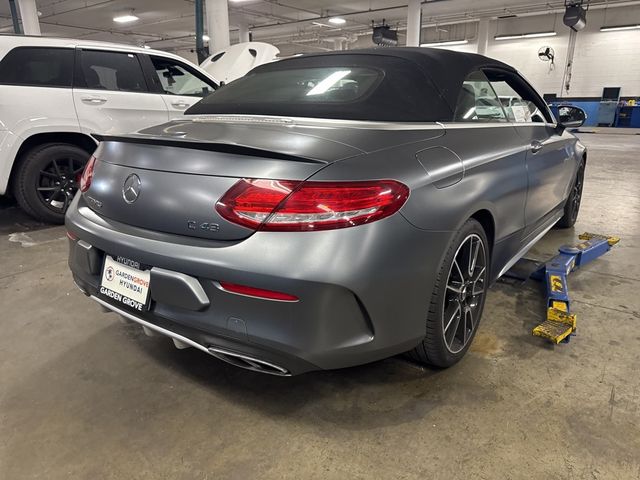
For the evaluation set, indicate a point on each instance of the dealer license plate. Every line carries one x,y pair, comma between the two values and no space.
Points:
125,284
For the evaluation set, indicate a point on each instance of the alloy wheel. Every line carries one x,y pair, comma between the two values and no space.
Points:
464,294
576,194
58,182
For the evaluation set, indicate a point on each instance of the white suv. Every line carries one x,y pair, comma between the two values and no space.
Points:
55,92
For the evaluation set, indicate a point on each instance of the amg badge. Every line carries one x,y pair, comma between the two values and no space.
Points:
207,226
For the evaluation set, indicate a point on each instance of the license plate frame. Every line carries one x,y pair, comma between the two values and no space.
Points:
124,284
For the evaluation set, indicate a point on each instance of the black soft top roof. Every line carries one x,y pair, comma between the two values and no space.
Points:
407,67
446,69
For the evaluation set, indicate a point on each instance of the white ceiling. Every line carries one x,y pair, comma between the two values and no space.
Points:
170,24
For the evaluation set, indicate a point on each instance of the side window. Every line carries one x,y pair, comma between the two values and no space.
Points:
117,71
477,102
520,102
178,79
37,66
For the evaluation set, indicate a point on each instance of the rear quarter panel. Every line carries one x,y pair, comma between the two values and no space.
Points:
467,169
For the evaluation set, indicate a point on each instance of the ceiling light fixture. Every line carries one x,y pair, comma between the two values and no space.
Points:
205,38
525,35
127,18
541,34
337,20
620,27
444,44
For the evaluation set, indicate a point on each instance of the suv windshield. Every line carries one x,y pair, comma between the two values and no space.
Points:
346,87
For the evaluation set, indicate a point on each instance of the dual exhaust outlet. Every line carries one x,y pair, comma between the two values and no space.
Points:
236,359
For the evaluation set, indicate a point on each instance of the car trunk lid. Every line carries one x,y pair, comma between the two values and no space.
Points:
181,169
171,185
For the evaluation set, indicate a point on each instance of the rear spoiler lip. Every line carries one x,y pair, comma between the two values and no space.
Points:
206,146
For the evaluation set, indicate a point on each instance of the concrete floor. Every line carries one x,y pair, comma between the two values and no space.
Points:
83,396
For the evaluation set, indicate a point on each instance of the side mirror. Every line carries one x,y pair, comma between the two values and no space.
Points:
570,116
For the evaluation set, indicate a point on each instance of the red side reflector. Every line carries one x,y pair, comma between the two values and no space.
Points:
71,236
257,292
87,174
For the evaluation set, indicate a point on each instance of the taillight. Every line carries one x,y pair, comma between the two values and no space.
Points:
287,205
87,174
257,292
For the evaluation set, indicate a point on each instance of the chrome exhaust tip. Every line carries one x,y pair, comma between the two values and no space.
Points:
248,363
237,359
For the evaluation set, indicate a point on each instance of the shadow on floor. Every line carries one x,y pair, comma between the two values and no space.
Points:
13,219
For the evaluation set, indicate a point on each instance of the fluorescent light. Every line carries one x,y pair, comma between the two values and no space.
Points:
620,27
507,37
525,35
130,17
328,82
541,34
444,44
337,21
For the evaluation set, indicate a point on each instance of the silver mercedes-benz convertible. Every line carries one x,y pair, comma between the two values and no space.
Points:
328,210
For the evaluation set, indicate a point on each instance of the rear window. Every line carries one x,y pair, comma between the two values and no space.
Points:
37,66
350,87
304,86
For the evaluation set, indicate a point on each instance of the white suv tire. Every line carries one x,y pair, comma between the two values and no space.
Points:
47,178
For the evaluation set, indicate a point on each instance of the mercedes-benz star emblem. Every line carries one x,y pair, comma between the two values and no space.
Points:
131,188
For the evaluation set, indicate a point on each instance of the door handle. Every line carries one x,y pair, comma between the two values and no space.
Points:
180,104
94,100
536,146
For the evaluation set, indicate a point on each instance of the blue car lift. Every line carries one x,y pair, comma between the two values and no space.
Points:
560,323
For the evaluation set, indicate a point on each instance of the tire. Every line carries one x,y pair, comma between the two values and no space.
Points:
446,341
572,205
47,178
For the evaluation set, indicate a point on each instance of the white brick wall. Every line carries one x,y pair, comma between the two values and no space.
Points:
602,59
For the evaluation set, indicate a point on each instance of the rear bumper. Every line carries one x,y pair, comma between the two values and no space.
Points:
185,338
364,291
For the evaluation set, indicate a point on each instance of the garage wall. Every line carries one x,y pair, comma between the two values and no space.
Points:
602,59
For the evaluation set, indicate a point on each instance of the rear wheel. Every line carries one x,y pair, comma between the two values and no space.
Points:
572,207
48,178
458,298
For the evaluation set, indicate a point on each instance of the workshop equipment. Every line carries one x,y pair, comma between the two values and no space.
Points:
608,106
560,323
628,116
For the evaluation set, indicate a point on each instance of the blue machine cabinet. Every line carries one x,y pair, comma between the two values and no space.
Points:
628,116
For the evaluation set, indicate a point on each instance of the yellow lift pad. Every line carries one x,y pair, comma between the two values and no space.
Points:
590,236
558,325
